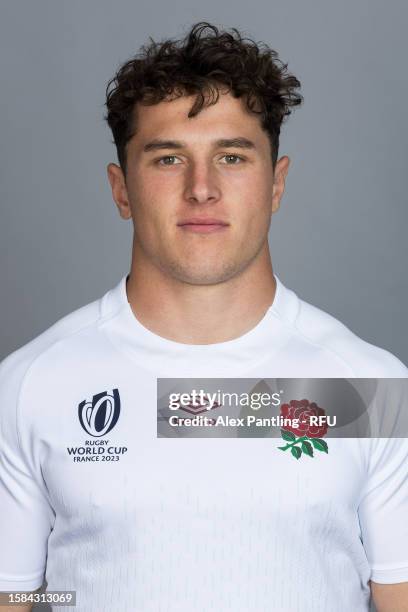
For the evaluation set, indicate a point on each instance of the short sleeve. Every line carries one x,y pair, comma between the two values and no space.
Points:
26,517
383,510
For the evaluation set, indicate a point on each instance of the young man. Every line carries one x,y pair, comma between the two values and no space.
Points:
201,523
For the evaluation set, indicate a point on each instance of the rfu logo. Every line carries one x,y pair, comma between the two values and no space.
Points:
100,415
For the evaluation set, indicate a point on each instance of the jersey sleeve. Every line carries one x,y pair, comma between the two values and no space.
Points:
26,516
383,510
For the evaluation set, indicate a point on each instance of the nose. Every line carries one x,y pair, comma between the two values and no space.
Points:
201,184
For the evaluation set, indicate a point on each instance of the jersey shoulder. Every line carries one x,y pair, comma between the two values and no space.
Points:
335,338
15,365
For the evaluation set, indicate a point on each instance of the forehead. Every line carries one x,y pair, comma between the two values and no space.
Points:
227,116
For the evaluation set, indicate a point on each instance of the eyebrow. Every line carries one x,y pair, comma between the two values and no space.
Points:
239,142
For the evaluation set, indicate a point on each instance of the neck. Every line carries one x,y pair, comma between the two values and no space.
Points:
201,314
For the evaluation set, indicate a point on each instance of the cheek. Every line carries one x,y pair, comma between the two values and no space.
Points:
152,223
144,200
139,189
151,192
257,224
255,209
253,190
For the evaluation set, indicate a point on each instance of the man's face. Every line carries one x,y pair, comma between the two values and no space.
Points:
182,172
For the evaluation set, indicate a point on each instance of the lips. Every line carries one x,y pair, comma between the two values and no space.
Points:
203,221
199,225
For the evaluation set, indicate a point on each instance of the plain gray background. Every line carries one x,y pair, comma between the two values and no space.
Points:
339,239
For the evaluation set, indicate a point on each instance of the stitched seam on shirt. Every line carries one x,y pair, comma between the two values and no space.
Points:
388,568
27,578
294,327
97,321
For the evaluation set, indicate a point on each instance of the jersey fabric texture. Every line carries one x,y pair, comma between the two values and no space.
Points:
201,523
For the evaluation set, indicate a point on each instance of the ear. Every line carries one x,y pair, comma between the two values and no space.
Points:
119,191
279,176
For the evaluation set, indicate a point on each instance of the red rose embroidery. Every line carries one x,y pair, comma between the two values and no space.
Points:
303,436
303,410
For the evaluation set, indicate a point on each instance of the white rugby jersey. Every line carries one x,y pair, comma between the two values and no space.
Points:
134,522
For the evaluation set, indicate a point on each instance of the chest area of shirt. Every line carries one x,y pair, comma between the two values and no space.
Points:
101,455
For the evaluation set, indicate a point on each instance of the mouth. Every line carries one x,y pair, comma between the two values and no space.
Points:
203,226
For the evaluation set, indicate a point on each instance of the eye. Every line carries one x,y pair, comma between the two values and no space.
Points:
233,160
167,160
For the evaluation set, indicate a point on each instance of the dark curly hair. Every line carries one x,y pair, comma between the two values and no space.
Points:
204,62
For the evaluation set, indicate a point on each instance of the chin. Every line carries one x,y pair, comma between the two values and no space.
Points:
208,276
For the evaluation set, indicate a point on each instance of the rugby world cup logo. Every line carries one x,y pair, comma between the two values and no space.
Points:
100,415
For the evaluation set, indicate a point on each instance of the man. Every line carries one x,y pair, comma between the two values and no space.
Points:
201,523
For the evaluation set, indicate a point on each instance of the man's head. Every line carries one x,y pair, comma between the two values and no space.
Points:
196,125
